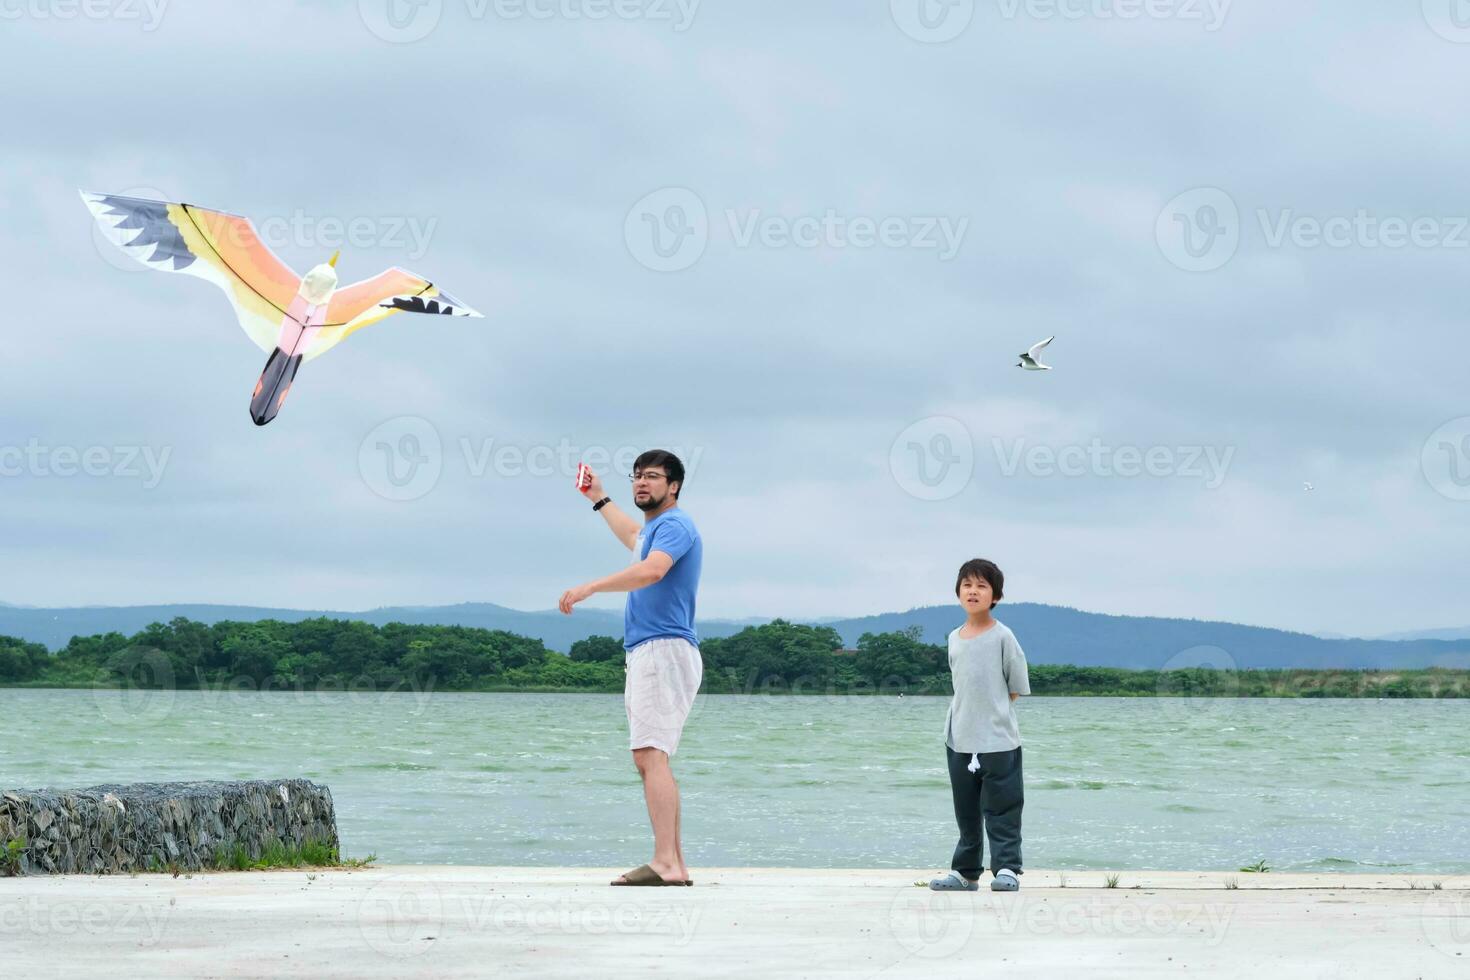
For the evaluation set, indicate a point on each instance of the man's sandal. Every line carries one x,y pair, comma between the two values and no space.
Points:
645,877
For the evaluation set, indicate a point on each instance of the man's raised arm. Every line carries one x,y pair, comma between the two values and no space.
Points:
623,527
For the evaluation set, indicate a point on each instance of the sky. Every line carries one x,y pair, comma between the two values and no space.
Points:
800,244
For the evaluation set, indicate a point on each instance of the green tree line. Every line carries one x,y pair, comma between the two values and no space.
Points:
776,658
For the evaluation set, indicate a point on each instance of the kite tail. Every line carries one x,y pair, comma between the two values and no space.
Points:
275,382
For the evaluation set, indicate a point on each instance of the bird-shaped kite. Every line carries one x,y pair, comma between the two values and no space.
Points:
1029,359
291,317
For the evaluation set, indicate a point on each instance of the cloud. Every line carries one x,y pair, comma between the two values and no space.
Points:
518,147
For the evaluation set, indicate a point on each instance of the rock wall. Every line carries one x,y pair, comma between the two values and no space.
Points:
105,829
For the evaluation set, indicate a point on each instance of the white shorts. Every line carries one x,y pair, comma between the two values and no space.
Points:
663,678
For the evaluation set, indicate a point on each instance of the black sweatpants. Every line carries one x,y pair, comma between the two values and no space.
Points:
992,799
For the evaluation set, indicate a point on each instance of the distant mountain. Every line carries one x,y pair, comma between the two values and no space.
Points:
56,627
1049,634
1057,634
1448,633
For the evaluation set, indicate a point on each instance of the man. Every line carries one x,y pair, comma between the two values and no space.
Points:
664,665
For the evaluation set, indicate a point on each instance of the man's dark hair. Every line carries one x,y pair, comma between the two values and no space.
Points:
983,569
672,467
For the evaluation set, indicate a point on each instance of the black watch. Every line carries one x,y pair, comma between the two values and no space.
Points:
601,504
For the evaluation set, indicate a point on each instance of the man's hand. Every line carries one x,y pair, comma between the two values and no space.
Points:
571,597
593,491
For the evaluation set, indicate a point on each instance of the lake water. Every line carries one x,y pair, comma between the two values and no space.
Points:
532,779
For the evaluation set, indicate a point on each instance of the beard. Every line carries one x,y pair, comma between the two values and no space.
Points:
652,503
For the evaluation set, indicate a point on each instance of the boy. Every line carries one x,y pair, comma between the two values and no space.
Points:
982,740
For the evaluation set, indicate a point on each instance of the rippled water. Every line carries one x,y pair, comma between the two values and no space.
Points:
523,779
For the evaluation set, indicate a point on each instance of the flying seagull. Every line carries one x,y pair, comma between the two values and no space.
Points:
1029,361
1308,486
290,317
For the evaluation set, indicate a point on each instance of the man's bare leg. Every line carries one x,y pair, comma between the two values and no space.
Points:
661,793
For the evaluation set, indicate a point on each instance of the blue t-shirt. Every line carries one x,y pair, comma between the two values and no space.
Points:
666,608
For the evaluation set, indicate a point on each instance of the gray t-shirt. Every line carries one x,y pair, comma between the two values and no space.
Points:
987,669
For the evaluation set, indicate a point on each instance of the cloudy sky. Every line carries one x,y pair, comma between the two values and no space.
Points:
800,243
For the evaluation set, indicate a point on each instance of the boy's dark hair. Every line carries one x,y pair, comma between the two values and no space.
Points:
982,568
672,467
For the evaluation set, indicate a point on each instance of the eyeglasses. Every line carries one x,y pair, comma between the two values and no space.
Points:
644,475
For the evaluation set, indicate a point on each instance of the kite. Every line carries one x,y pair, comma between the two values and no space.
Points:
290,317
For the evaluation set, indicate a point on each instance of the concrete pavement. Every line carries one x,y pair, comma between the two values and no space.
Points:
434,921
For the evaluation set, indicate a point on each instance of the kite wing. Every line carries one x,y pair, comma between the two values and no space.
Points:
221,248
362,303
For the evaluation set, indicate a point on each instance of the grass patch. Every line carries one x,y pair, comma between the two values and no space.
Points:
1232,883
1260,867
10,857
310,853
1061,881
1111,881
